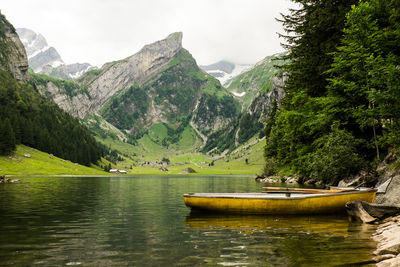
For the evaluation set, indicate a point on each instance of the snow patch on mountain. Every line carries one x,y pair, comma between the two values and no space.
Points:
238,94
46,60
224,70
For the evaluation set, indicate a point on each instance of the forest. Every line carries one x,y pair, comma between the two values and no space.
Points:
30,119
340,113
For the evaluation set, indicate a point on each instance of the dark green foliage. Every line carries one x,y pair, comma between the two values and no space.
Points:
7,138
270,167
314,30
342,104
306,114
41,124
221,140
127,108
248,127
365,75
271,118
335,156
175,134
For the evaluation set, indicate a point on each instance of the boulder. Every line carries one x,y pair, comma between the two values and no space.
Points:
370,213
188,170
391,196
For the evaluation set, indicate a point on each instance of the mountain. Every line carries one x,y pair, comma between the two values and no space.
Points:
160,87
28,118
246,85
258,90
224,70
46,60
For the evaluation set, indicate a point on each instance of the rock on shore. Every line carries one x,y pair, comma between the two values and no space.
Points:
387,234
388,238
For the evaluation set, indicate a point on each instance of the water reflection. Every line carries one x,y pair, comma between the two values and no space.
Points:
142,221
324,225
280,240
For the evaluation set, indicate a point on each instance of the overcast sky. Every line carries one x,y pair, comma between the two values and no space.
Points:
99,31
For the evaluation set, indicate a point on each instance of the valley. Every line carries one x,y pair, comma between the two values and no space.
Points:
157,111
158,104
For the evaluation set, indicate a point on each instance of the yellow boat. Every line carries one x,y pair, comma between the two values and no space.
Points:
278,201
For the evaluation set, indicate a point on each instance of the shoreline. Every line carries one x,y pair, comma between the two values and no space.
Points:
127,175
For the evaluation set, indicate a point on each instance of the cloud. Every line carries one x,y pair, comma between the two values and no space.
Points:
98,31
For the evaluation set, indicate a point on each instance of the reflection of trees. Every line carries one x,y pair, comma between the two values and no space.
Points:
141,221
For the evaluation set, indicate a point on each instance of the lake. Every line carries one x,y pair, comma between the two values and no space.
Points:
143,221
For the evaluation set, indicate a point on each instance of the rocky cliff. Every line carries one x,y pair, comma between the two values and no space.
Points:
39,53
12,52
116,76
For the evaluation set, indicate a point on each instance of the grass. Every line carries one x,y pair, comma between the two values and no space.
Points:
41,163
235,163
232,164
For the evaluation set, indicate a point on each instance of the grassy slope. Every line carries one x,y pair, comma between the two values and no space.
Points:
41,163
235,163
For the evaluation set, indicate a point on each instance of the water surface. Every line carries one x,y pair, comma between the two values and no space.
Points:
142,221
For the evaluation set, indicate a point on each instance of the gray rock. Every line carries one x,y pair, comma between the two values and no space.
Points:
17,61
368,212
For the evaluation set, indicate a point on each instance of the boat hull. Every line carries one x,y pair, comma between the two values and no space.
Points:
261,203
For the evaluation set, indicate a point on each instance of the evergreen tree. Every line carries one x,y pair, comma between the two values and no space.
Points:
365,75
314,30
328,127
7,138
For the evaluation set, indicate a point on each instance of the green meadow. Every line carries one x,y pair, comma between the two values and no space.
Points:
245,160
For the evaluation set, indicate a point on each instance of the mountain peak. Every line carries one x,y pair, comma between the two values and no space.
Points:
177,36
173,43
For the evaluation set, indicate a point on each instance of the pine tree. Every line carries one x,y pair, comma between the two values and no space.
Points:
7,138
365,75
313,32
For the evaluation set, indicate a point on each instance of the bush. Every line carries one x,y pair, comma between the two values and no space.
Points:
335,157
270,167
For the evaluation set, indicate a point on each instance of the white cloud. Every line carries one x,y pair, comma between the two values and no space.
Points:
99,31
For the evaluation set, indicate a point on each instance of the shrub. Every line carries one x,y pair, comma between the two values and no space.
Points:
335,157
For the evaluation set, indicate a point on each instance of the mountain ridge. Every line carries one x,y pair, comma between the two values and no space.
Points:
45,59
161,83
